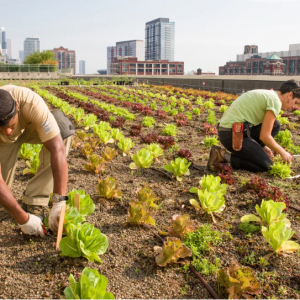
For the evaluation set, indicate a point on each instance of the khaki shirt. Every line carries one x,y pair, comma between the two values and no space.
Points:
32,110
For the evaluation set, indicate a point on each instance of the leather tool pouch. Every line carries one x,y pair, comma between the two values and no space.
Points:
237,136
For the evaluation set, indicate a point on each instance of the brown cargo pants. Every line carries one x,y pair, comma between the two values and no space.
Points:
40,186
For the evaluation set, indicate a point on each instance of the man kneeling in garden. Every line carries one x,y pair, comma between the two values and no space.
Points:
25,118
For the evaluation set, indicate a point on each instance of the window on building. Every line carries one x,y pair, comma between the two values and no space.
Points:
172,70
285,66
132,70
141,70
149,70
132,65
231,71
172,65
156,71
164,65
298,66
179,66
179,71
292,66
124,70
255,67
140,65
148,65
261,67
156,65
164,70
124,64
242,71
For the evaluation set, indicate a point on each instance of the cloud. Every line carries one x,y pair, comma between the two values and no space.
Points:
272,1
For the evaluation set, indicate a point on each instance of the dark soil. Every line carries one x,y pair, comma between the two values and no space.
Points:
31,268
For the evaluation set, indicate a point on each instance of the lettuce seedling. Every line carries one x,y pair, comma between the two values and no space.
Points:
72,219
210,202
283,120
156,150
212,184
87,206
278,235
179,168
101,126
88,121
208,104
170,129
183,153
269,212
196,111
148,121
210,141
91,285
109,153
105,137
116,134
108,188
125,144
284,138
239,281
140,213
142,159
223,108
32,164
85,240
27,151
211,118
180,226
95,164
172,250
280,169
145,195
86,150
78,114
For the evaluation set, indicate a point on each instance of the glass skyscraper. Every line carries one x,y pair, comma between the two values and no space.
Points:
82,67
31,44
159,39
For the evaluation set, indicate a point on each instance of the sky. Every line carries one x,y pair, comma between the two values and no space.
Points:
208,33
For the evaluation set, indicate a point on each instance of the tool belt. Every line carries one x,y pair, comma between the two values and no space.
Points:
65,126
238,130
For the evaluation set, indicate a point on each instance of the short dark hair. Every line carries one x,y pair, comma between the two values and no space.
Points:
7,105
290,86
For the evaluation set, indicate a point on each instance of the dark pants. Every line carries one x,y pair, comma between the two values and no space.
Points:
252,156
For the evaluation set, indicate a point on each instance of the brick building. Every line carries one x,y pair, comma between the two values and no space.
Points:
66,58
268,63
131,66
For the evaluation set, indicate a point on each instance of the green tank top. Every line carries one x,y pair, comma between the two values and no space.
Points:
252,107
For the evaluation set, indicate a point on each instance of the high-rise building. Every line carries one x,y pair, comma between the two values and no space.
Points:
132,48
66,58
82,67
3,41
21,55
9,48
31,45
159,39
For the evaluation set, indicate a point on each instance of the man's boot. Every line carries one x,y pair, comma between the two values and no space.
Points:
217,155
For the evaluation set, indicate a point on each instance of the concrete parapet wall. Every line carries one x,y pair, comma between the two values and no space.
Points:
33,75
229,84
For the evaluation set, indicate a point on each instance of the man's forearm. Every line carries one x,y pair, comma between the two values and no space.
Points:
8,201
60,172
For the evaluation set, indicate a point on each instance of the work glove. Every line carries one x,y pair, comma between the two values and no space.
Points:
54,215
33,226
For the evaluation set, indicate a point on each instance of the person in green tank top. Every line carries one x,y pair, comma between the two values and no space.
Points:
258,110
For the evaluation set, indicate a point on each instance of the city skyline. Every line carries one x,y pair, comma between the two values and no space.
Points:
208,34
